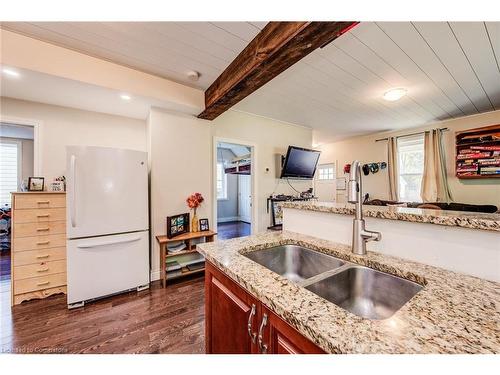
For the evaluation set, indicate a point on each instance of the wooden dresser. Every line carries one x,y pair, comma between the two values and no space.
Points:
38,253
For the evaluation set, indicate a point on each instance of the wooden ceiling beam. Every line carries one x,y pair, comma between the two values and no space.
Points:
278,46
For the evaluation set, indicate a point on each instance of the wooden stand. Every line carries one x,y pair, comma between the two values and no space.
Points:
190,248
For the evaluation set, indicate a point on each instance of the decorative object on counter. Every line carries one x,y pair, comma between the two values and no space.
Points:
204,225
478,153
59,184
274,201
36,183
24,185
177,225
194,201
308,194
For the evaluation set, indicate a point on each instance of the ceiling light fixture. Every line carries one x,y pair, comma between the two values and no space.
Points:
125,97
394,94
193,75
10,72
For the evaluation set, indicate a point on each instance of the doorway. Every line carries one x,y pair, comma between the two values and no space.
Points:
17,163
234,176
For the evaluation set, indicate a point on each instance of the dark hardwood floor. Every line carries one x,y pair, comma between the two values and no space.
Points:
233,229
158,320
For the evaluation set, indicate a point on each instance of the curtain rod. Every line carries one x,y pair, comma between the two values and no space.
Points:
408,135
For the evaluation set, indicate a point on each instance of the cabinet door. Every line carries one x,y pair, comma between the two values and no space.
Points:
230,313
280,338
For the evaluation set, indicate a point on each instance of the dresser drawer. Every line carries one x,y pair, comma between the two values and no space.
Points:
39,283
39,269
24,201
23,258
38,242
37,229
42,215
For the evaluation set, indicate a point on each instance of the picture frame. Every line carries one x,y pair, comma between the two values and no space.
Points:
36,183
57,186
277,212
177,225
204,226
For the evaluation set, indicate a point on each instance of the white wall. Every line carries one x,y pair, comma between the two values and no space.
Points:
271,137
180,152
61,126
367,150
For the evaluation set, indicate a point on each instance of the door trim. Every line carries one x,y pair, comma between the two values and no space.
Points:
254,177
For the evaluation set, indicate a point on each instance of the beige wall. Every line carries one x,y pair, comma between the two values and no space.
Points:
271,137
367,150
180,162
61,126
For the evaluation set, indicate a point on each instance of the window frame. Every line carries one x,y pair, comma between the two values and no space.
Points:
223,182
418,140
330,173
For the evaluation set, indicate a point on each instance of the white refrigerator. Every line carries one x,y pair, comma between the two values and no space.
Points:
107,222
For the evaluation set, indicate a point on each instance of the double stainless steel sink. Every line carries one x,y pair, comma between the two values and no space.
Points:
360,290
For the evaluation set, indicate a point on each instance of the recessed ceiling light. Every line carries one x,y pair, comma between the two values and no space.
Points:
10,72
394,94
125,97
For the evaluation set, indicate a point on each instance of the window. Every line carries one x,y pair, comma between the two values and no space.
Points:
10,163
410,167
326,172
221,182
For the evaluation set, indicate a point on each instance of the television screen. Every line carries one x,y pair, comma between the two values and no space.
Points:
300,163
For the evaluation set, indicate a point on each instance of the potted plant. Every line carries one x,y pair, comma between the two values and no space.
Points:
194,201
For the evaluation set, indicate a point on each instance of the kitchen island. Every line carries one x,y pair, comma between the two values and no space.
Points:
453,313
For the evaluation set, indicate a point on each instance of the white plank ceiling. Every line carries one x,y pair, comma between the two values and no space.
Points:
449,69
166,49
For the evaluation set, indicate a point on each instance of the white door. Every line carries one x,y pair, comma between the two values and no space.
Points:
107,191
105,265
245,198
325,183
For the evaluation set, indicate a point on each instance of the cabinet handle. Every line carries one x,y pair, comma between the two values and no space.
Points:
42,269
42,256
262,347
43,202
43,283
43,215
42,229
43,243
249,325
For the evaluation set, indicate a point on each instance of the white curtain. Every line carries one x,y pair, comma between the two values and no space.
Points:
435,187
392,168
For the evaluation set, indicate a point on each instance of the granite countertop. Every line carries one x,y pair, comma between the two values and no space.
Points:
453,313
472,220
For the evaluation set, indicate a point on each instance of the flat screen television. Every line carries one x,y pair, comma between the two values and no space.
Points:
300,163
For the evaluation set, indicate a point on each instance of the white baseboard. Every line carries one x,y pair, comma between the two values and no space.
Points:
155,275
226,219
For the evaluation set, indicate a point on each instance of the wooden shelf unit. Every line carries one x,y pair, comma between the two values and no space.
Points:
461,145
187,238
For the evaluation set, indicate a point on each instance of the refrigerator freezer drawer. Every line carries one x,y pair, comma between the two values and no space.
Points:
105,265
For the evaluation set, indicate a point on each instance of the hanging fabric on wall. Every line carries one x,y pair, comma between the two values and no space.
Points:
392,168
435,187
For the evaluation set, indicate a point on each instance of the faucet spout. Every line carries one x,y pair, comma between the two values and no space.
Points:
360,235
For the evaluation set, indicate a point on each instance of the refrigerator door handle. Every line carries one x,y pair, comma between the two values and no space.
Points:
106,243
73,185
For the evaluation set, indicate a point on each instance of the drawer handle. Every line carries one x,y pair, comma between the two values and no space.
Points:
42,229
42,256
42,269
43,243
43,215
43,283
43,202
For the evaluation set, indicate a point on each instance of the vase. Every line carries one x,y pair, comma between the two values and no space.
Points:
195,225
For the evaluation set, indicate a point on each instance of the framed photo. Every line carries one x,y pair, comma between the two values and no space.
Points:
57,186
36,183
204,225
277,212
177,225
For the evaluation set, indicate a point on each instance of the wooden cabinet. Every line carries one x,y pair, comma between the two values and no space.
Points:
38,254
236,322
